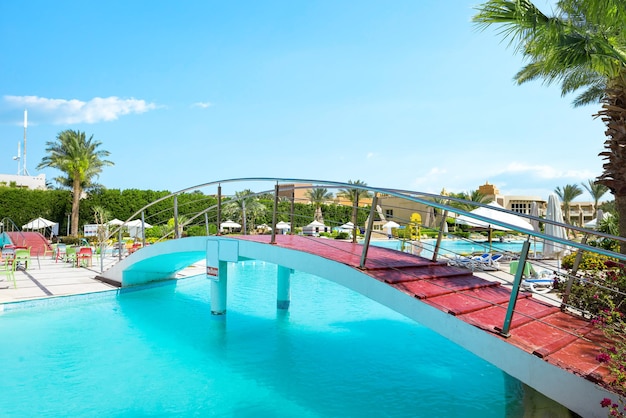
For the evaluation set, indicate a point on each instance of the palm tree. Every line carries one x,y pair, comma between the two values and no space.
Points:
245,206
473,196
354,195
569,193
80,160
581,47
351,193
596,190
318,196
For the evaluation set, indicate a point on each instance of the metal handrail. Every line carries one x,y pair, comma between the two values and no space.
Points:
418,197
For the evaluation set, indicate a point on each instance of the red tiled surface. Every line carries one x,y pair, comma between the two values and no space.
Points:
537,328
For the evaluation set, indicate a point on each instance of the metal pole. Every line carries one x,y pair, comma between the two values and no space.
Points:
176,232
515,290
219,208
354,215
143,229
243,215
440,236
570,282
102,249
119,243
276,190
291,214
368,231
206,223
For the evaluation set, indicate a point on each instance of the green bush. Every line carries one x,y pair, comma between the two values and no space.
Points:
342,235
601,284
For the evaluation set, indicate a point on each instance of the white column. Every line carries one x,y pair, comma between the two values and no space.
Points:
218,290
283,295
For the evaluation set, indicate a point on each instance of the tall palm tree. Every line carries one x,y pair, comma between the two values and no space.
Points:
245,206
567,195
351,193
596,190
354,195
473,196
318,196
80,160
583,46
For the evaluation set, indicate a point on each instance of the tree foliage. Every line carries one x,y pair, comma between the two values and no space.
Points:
582,47
80,161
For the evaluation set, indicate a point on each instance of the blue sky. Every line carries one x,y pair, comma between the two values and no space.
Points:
404,94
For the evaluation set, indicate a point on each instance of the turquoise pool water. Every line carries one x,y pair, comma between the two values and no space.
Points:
458,247
159,352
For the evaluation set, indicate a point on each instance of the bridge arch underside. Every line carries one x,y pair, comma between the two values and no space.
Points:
162,261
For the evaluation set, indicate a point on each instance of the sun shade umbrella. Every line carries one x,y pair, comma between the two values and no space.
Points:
230,224
496,215
388,226
283,225
534,211
39,223
554,213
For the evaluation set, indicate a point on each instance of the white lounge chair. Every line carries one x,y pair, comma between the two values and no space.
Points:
537,282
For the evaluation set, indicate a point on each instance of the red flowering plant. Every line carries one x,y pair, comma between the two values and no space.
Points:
613,324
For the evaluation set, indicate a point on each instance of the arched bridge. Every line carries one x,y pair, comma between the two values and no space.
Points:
545,348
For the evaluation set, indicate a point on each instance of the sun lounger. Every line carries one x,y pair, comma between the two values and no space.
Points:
538,282
466,262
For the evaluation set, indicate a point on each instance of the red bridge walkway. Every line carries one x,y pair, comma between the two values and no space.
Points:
538,328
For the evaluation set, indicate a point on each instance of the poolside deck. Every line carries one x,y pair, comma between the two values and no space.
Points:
47,278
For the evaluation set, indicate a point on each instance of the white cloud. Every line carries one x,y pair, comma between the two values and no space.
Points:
202,105
62,111
370,155
546,172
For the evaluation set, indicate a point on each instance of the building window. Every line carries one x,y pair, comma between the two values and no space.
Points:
389,213
521,207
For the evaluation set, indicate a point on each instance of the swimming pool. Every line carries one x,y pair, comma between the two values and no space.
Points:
159,352
451,247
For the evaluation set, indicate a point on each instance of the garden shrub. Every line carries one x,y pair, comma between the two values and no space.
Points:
601,284
588,262
342,235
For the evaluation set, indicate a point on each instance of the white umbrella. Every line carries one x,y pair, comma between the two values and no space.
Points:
39,223
115,222
601,216
134,227
230,224
137,224
349,226
496,215
283,225
388,226
534,211
554,213
316,224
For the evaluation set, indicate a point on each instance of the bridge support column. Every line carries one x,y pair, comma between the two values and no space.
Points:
283,296
218,290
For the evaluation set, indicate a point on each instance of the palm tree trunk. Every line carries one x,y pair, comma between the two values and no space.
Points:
76,191
620,207
613,115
